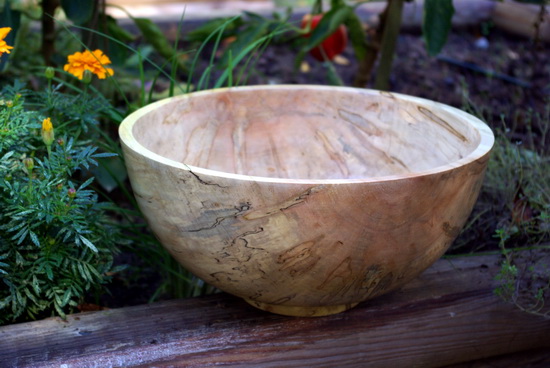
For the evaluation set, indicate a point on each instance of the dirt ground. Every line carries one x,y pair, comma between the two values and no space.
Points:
463,69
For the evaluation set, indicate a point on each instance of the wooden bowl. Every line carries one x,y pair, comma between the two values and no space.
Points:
305,200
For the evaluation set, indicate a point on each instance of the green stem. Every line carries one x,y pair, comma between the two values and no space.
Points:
389,43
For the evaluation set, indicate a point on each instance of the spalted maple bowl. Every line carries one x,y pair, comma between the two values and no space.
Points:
305,200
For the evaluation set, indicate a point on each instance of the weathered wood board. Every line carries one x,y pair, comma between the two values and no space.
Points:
446,316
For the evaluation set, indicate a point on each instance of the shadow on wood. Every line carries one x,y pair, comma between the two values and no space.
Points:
446,316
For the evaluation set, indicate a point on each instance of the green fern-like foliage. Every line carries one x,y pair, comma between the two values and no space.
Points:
56,241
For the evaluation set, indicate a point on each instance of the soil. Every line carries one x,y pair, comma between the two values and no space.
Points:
462,70
494,76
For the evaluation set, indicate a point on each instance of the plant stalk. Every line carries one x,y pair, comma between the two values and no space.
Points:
389,42
366,65
48,30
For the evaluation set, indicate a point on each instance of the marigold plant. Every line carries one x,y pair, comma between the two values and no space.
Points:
94,62
56,241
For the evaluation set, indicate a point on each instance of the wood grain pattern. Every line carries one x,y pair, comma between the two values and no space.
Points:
448,315
305,200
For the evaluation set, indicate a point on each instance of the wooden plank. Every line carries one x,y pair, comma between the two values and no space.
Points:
447,316
521,18
467,12
535,358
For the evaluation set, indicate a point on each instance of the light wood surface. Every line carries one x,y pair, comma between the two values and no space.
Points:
305,200
448,315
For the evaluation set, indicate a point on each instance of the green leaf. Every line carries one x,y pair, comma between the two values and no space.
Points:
110,173
201,33
86,183
49,271
66,297
79,11
88,243
357,35
154,36
328,25
34,238
30,295
35,284
436,24
244,38
332,75
85,272
21,235
118,53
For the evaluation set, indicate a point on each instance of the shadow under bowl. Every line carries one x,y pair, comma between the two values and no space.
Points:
305,200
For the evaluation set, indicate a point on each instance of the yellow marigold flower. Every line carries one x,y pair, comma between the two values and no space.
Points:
93,61
48,135
4,47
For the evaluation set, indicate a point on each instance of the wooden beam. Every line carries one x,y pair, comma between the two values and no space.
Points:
467,12
447,316
521,19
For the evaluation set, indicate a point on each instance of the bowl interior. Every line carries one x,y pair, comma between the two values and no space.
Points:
307,132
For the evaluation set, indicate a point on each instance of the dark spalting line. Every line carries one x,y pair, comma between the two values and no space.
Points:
201,180
479,165
450,231
276,159
258,294
218,221
383,284
284,299
143,197
399,162
218,276
301,198
226,253
359,122
333,154
300,263
285,205
342,271
176,250
239,211
441,122
243,238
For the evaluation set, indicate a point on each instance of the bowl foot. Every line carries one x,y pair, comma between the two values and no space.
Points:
296,311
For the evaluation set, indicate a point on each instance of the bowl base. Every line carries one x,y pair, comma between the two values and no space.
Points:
296,311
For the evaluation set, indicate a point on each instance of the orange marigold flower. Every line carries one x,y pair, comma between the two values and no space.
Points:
4,47
93,61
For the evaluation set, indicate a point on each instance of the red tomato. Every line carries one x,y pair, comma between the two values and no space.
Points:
333,45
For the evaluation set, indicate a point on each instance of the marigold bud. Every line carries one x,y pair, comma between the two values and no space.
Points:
87,76
48,135
49,72
71,193
29,164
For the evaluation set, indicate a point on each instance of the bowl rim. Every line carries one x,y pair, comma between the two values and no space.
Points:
484,147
